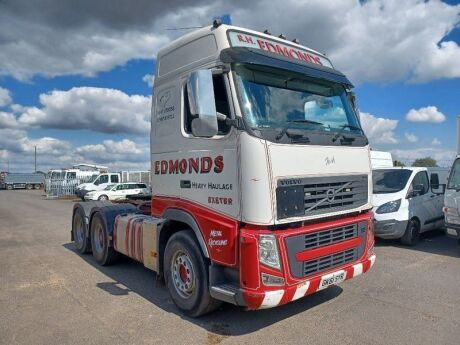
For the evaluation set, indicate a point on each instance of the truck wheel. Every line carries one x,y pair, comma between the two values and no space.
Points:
29,186
9,187
103,197
103,254
37,186
186,275
412,234
82,242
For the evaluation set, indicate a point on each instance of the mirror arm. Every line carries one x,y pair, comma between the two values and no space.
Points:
237,123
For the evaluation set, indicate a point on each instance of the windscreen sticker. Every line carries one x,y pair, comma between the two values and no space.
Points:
239,39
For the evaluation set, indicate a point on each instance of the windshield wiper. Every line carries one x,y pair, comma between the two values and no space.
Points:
292,136
340,133
307,121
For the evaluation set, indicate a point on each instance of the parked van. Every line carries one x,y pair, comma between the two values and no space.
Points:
452,202
407,201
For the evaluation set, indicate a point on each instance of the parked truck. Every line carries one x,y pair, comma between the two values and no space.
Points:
261,176
23,181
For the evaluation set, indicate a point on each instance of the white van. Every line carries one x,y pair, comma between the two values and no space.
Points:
407,201
452,202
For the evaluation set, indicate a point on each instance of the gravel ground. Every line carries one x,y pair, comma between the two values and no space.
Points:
51,295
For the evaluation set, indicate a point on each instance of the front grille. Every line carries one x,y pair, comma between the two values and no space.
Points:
327,237
330,261
318,195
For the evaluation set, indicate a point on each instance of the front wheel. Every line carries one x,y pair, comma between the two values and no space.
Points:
412,234
186,275
29,187
9,187
103,198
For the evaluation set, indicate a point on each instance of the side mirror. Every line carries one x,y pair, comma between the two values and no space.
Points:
200,91
434,181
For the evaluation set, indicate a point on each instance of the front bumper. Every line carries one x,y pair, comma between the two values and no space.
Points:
253,294
390,228
273,298
81,193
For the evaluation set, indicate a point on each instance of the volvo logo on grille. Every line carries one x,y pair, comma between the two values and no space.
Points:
330,195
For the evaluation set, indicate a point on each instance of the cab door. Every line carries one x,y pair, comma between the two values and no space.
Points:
422,202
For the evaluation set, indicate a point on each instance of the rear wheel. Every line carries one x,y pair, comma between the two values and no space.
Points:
103,254
9,187
186,275
103,197
29,186
37,186
412,234
82,242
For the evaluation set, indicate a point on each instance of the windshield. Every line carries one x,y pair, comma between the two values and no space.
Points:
93,178
282,100
390,180
454,178
109,187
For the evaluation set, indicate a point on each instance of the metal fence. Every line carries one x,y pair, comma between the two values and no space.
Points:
63,187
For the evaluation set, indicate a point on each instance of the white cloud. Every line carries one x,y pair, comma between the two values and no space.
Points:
379,130
8,120
435,142
91,108
410,137
17,148
442,156
5,97
380,40
148,78
425,114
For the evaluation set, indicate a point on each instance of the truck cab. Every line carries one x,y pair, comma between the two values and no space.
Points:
261,175
452,201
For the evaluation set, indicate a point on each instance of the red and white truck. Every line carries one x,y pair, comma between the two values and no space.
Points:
261,176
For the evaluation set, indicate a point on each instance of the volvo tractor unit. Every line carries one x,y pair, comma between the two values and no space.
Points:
261,176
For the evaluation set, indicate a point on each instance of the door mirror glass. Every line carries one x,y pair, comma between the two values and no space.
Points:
434,180
202,103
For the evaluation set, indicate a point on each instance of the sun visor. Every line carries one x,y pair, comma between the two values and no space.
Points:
258,57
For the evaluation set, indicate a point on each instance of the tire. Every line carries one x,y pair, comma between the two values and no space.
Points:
81,240
29,187
103,197
103,254
9,187
37,186
186,275
412,234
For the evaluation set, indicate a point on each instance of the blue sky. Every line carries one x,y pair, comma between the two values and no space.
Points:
60,80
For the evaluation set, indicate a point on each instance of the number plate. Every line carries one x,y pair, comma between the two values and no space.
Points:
332,279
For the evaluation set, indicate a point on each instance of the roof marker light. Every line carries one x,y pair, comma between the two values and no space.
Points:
282,36
295,40
267,32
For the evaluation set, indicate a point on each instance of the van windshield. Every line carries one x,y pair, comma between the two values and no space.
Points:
287,105
389,180
454,178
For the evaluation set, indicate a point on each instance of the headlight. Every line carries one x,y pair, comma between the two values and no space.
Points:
268,251
389,207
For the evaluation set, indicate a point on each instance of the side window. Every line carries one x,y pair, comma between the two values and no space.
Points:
222,105
114,178
72,175
421,179
103,179
120,187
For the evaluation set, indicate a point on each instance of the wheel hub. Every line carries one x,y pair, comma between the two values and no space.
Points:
182,274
